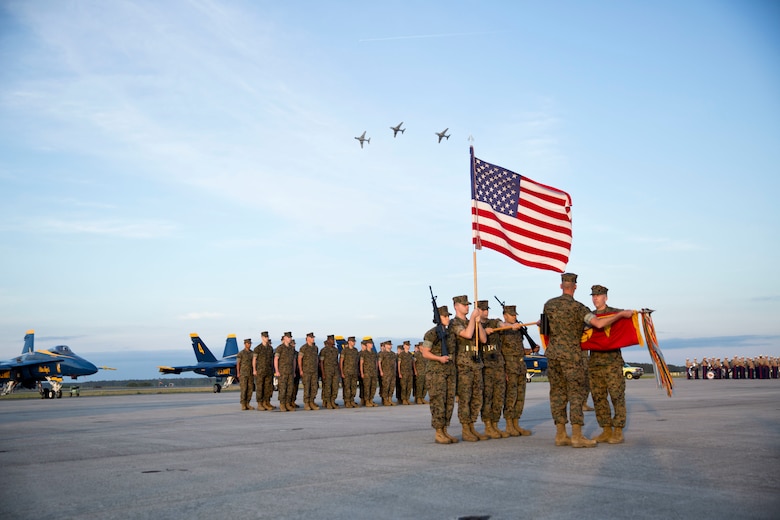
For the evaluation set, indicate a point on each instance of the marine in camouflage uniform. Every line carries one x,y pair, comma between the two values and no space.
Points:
245,377
606,380
263,370
406,372
387,362
514,355
308,366
463,335
566,320
440,376
368,372
350,370
420,367
284,365
329,365
493,374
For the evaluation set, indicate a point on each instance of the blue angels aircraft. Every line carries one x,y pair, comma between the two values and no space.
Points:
210,366
33,367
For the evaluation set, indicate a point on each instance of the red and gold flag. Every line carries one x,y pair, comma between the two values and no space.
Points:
625,332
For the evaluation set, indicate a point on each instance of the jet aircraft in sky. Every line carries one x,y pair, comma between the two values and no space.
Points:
397,129
33,367
363,139
210,366
443,134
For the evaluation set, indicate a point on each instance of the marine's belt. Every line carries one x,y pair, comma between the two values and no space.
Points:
489,348
470,348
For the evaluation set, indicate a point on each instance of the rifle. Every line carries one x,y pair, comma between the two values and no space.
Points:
440,330
523,329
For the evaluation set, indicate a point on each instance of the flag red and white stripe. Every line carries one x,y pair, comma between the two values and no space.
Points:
521,218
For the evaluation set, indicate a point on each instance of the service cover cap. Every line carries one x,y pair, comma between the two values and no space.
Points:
510,309
310,335
569,277
444,311
332,337
264,334
463,300
483,305
598,289
288,334
248,340
351,338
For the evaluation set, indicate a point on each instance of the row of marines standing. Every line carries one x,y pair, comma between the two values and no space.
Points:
353,370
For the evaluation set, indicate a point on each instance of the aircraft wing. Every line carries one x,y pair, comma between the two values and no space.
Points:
177,370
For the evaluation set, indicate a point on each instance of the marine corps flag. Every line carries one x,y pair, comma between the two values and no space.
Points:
623,333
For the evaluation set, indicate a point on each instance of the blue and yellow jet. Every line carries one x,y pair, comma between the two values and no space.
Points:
33,367
210,366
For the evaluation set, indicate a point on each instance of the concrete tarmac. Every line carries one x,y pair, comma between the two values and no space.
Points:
711,451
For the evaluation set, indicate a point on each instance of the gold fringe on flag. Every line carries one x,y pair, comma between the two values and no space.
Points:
662,375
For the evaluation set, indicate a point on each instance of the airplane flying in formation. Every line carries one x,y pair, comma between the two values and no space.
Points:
443,134
210,366
33,367
363,139
397,129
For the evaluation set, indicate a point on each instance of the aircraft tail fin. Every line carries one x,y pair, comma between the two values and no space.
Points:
29,340
202,352
231,346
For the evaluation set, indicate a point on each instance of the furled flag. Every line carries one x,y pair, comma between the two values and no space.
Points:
527,221
622,333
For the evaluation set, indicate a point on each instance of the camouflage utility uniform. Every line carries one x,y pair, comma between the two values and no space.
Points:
368,383
514,355
406,375
350,370
494,374
565,359
329,357
387,360
470,384
286,361
440,380
420,386
309,369
606,379
264,376
246,379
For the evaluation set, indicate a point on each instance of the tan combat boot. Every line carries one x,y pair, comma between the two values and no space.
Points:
244,406
313,405
334,405
617,436
587,408
510,427
561,437
490,429
480,436
450,437
441,438
291,407
578,440
306,406
522,431
467,434
282,407
501,432
604,435
250,407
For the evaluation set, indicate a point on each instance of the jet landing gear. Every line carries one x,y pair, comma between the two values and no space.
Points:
51,393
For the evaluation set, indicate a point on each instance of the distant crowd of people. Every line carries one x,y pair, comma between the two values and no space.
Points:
761,367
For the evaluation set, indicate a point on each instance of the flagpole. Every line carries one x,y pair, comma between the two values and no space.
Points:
476,242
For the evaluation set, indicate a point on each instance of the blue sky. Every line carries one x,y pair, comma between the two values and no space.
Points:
190,166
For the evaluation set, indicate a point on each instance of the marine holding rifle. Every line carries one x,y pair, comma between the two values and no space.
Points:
514,361
440,375
493,375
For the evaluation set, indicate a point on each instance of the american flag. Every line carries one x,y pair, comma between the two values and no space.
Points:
527,221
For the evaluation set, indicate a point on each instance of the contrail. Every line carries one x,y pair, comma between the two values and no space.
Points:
421,36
